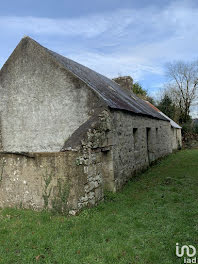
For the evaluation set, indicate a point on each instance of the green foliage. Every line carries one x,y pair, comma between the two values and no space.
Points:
47,191
187,128
195,129
183,117
137,89
167,106
142,93
109,196
140,224
151,100
59,203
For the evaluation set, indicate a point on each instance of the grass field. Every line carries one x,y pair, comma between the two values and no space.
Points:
140,224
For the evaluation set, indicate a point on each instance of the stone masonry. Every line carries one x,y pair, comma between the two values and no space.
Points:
67,133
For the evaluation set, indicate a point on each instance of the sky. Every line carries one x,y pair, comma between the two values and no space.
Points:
112,37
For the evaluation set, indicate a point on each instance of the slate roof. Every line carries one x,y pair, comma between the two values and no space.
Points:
173,124
114,96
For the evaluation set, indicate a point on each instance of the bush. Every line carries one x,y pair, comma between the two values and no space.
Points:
195,129
187,128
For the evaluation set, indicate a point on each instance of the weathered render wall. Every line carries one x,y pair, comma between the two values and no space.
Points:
113,147
54,181
64,181
42,104
176,138
137,141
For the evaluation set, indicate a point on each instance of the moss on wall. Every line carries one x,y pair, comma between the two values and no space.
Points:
47,177
60,200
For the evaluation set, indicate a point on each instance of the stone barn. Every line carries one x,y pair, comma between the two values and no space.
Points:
67,133
176,136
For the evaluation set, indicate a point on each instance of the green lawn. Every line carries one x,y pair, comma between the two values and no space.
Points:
139,225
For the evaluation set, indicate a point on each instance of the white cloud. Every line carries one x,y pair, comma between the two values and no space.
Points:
90,26
127,41
134,42
114,64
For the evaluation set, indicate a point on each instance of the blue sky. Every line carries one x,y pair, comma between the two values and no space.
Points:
113,37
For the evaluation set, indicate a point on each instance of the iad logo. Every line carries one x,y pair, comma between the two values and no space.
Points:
190,252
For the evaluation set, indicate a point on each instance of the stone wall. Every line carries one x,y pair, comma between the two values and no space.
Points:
176,138
52,181
1,143
42,104
65,181
137,141
104,153
94,146
126,82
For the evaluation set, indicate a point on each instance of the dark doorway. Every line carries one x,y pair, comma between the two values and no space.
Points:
135,138
148,142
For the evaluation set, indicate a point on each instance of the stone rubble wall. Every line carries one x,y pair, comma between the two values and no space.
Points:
126,82
93,148
176,138
107,156
64,182
130,157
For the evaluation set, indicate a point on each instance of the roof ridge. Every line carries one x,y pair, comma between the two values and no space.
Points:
111,93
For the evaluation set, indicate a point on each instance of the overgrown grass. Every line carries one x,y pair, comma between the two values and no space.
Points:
141,224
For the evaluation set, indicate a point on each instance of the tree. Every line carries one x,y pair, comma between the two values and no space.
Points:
183,86
138,90
167,106
142,93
